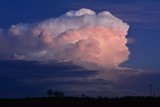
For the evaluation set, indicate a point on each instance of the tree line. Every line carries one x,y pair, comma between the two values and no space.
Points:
55,94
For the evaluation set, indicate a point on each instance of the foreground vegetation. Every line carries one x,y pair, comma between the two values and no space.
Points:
79,101
57,98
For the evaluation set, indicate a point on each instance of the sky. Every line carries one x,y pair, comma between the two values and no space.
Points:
20,78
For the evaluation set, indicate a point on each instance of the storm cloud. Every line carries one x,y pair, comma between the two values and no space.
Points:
82,37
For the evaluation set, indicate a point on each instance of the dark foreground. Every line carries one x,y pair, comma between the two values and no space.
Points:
74,102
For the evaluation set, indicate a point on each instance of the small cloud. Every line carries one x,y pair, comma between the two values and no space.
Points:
131,40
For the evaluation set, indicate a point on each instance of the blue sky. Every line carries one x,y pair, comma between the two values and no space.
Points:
143,16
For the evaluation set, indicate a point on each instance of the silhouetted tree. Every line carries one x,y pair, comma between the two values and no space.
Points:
50,93
83,95
99,97
58,94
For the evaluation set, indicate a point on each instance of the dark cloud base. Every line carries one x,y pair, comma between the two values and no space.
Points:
30,78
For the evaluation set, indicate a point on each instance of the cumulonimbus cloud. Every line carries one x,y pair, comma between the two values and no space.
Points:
82,37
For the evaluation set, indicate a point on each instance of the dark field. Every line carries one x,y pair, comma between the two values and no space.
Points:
74,102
